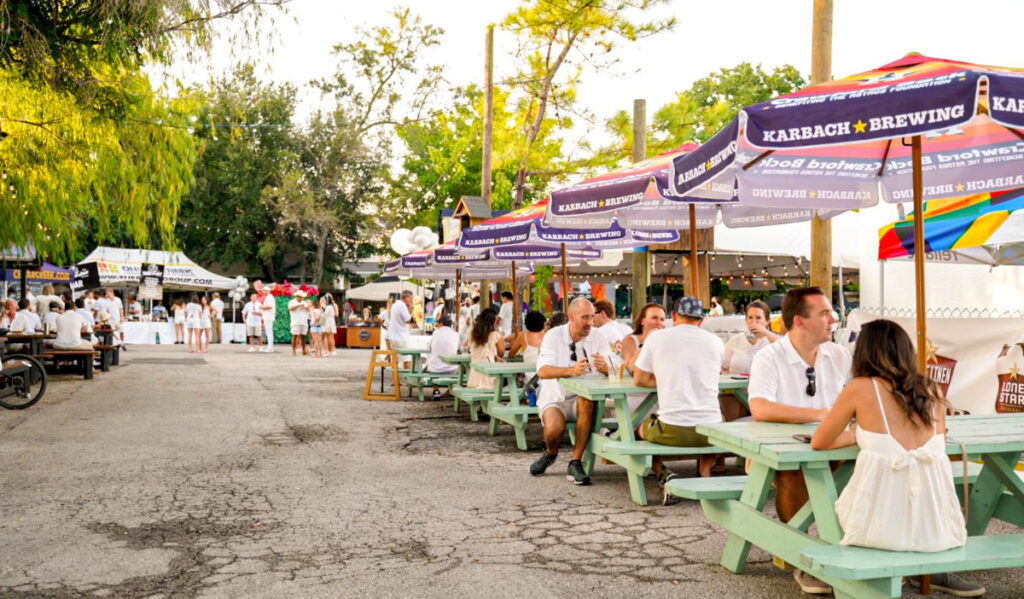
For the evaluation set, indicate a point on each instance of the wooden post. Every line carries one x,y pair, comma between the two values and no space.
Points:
694,273
821,71
515,301
922,337
641,262
485,162
458,298
565,283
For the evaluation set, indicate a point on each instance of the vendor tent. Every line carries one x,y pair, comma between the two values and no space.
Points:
120,266
378,291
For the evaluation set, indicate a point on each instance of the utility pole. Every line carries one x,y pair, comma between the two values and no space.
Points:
821,71
641,257
485,163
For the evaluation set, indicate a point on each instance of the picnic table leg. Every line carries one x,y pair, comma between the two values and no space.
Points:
755,493
518,421
821,491
86,366
637,469
588,453
987,491
499,387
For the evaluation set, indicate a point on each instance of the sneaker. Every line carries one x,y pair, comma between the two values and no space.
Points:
952,584
576,474
251,349
541,465
665,476
810,584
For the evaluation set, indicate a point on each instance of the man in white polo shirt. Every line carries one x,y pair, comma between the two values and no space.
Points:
681,363
398,325
797,379
567,351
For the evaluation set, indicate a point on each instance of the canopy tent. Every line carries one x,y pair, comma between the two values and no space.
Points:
840,144
378,291
123,267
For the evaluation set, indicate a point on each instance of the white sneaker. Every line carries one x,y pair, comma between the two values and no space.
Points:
251,349
270,351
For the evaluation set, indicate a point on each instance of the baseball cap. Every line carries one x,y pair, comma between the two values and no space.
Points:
690,307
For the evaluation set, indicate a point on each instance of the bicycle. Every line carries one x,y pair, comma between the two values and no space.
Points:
22,381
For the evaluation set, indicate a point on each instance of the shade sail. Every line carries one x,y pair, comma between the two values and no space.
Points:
978,229
839,144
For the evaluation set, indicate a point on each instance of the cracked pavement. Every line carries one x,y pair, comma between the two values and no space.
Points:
252,475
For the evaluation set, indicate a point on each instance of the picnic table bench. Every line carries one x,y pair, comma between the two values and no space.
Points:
460,360
82,358
622,447
515,413
996,492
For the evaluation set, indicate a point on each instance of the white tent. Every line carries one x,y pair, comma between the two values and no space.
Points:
793,239
377,291
124,266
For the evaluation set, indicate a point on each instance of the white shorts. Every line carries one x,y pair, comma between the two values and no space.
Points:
193,323
205,324
566,406
299,329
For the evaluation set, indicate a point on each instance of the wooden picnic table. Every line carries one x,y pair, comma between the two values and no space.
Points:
460,360
622,447
997,439
105,335
34,340
515,412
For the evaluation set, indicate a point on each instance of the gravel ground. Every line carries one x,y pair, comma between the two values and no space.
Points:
232,474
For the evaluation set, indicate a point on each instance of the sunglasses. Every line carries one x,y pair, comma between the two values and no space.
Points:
572,348
811,386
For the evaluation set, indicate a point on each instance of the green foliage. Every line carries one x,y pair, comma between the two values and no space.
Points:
701,111
72,176
539,289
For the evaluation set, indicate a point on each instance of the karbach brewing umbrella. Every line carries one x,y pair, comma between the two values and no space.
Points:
844,144
638,196
524,227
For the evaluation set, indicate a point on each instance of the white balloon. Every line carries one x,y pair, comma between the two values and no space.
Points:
400,241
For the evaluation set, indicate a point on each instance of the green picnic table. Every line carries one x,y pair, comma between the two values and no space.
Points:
515,412
460,360
622,447
417,376
997,492
416,354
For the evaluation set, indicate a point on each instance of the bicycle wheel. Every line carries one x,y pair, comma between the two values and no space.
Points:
22,381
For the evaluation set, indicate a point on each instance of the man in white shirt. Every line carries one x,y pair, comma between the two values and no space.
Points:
253,322
70,328
797,379
299,322
50,318
134,308
398,324
444,341
216,317
567,351
506,314
683,362
116,310
604,319
25,320
268,306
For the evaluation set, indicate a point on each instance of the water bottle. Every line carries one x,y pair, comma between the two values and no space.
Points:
158,337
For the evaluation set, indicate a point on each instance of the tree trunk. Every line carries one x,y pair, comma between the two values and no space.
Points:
318,262
520,188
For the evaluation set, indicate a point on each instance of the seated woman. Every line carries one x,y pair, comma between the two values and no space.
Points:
651,318
739,352
485,345
529,341
901,496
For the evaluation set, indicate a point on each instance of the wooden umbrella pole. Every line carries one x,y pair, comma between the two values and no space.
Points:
565,283
515,301
693,252
922,337
458,298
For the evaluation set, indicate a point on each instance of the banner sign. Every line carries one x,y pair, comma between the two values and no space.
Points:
151,281
87,276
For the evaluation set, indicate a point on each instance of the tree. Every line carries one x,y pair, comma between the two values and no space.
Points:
701,111
556,38
249,141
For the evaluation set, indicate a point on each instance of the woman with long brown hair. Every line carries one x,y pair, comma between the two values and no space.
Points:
485,345
651,318
901,496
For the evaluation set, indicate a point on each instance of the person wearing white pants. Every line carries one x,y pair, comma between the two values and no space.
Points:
269,306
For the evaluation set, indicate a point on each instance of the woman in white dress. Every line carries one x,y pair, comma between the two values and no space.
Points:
205,326
529,341
193,320
485,345
901,496
179,321
328,323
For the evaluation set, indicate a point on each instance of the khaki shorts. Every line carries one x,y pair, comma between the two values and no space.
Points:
299,329
253,331
566,406
656,431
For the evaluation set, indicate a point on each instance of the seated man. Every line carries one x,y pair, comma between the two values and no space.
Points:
25,320
86,315
566,352
444,341
70,329
683,362
604,319
796,379
159,311
50,318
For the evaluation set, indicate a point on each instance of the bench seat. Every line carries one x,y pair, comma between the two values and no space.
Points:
474,397
507,410
717,487
861,563
648,448
83,357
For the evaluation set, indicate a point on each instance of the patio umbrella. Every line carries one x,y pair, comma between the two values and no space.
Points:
842,144
525,227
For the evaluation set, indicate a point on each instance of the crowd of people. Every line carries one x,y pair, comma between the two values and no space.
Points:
799,376
72,321
316,319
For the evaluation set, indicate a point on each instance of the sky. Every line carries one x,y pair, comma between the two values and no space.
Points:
707,37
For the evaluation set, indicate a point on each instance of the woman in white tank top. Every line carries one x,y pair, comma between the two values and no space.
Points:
901,496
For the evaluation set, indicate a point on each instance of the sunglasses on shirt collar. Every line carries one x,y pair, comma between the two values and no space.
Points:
811,386
572,348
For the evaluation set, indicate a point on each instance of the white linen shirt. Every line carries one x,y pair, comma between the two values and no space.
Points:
685,361
218,308
298,316
554,351
251,314
739,353
779,374
505,314
398,327
26,322
69,330
444,341
614,331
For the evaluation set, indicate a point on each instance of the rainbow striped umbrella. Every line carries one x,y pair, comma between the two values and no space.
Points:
986,228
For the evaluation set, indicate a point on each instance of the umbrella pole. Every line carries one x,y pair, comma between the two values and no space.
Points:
458,298
881,287
693,252
565,283
922,337
515,301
